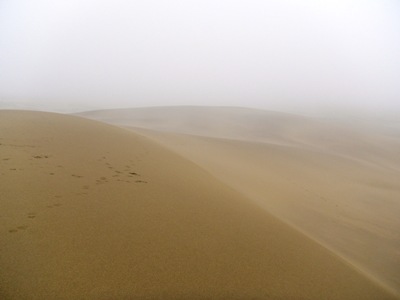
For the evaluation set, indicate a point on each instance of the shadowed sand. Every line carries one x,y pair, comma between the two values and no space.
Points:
338,183
92,211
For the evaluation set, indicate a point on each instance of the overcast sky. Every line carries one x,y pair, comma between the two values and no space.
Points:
278,54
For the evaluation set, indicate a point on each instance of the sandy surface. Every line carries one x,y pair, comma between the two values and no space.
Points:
338,183
92,211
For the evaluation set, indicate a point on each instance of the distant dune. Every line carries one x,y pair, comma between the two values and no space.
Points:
93,211
271,127
338,183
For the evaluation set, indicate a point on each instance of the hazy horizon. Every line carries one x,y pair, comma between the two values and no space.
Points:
335,57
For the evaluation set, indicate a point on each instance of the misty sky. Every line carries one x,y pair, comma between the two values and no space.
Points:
278,54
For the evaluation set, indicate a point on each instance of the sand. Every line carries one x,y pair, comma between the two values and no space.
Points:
336,182
93,211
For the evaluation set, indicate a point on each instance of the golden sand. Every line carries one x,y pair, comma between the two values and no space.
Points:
93,211
337,183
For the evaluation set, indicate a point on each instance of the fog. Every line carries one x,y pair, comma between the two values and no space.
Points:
298,56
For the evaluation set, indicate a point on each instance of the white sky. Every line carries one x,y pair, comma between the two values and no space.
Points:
277,54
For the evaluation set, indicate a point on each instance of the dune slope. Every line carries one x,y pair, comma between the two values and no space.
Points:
339,183
92,211
348,206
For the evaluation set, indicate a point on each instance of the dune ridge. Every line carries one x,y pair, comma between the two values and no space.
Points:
92,211
336,182
254,125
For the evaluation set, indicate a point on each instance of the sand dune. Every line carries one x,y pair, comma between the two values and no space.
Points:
267,127
338,184
92,211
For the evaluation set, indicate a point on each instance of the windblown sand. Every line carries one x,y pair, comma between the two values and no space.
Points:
337,182
93,211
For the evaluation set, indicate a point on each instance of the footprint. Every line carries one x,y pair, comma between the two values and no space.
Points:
12,230
31,215
22,227
140,181
134,173
40,156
